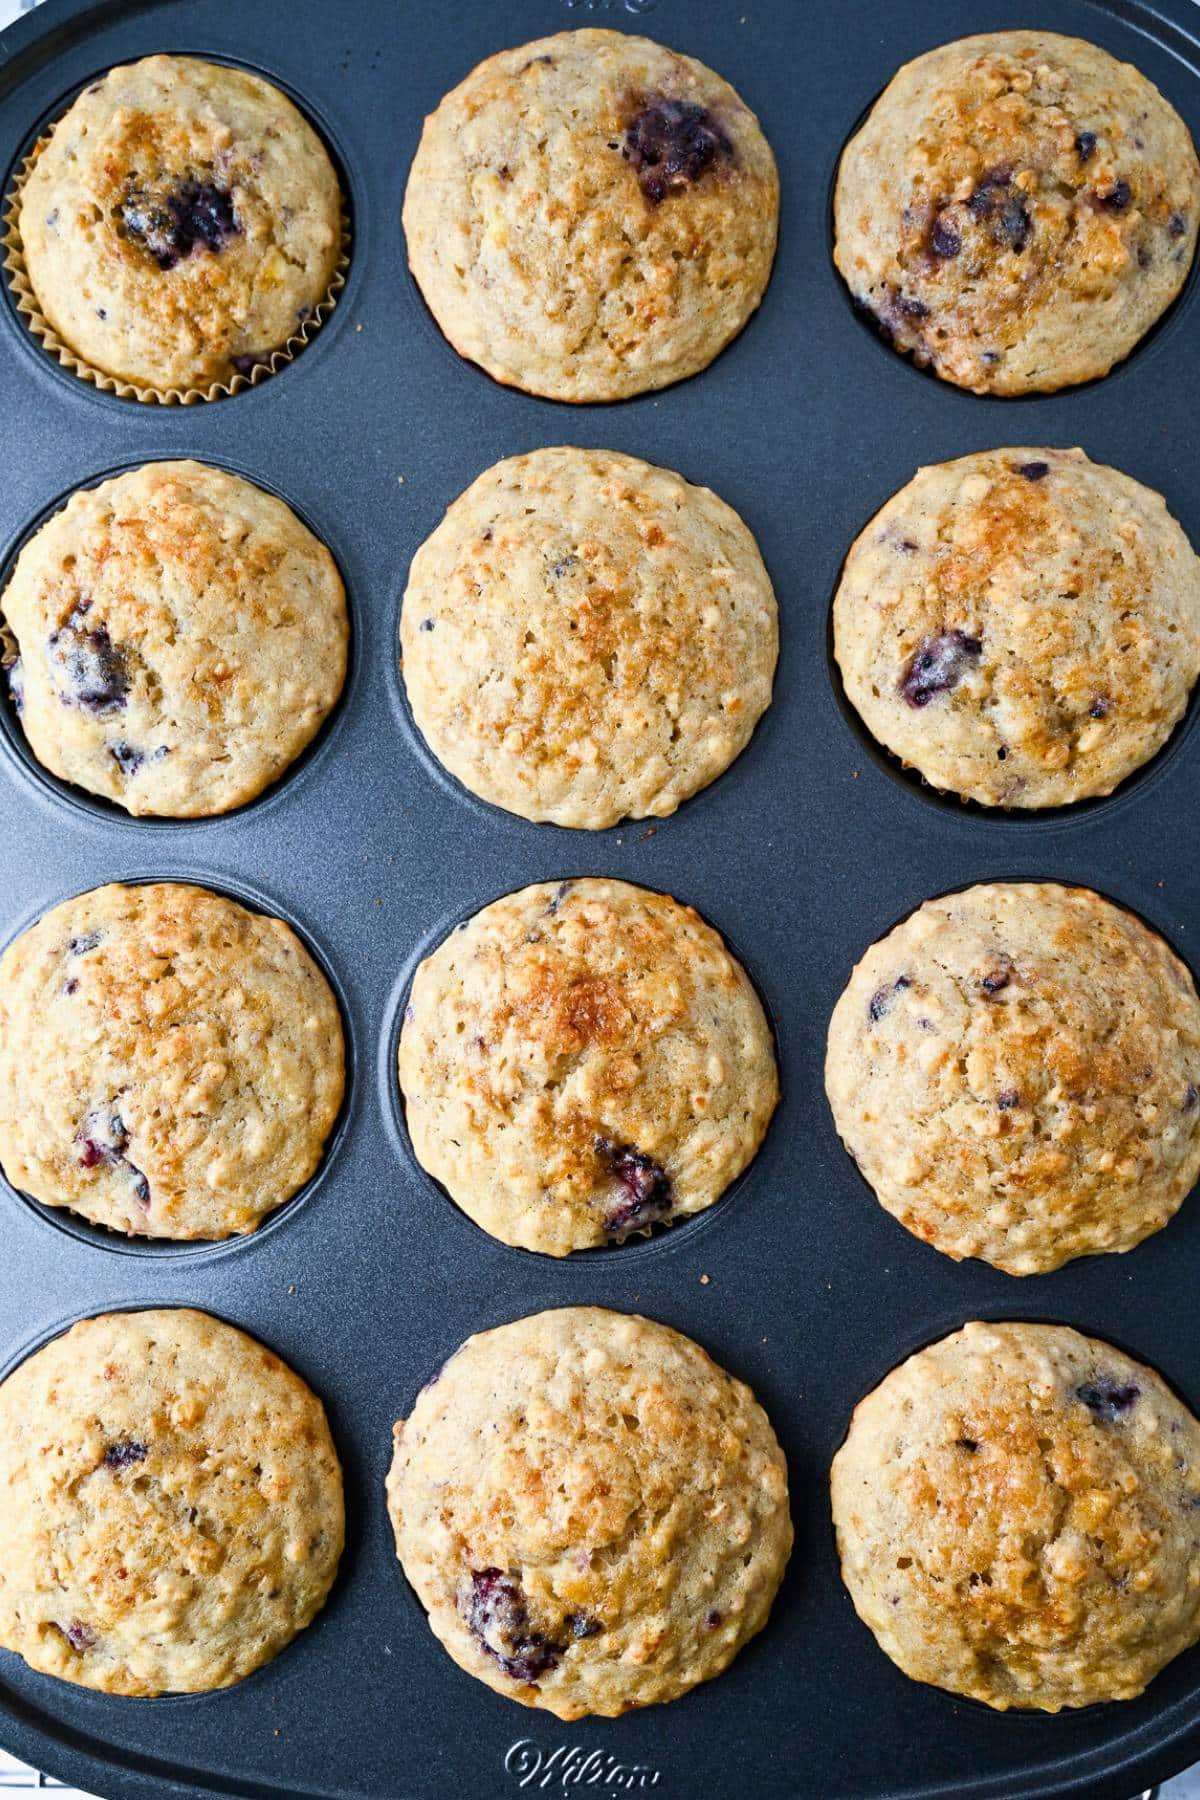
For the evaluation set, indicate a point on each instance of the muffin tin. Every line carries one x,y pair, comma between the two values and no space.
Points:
810,847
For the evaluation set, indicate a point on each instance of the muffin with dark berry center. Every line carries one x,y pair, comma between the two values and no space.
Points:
591,215
1018,210
181,224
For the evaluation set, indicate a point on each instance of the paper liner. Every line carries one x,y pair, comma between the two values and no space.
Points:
27,305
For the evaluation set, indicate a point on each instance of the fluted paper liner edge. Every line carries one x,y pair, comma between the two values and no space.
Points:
27,306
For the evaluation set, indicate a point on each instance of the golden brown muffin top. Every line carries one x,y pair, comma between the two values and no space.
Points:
1015,1069
593,1513
171,1063
1017,1510
170,1504
1017,210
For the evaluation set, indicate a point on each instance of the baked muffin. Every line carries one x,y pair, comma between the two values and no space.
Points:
1015,1070
181,225
1017,1510
591,215
170,1063
1017,211
1021,626
593,1514
170,1504
179,637
583,1061
586,637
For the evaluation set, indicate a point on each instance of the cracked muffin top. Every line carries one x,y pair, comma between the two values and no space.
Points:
593,1514
582,1061
591,215
181,224
1018,1516
178,637
170,1062
1022,626
170,1504
1017,211
586,637
1015,1070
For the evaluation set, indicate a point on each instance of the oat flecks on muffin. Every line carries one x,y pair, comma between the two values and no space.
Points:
182,223
1017,1510
1018,210
179,637
1022,626
591,215
170,1062
583,1060
1016,1071
587,637
171,1506
592,1512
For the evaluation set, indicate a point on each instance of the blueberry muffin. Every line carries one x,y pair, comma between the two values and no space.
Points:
1017,211
586,637
584,1060
176,638
591,215
1021,626
181,225
592,1513
170,1063
170,1505
1016,1071
1018,1516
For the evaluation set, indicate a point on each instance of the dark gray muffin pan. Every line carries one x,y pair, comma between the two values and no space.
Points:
810,847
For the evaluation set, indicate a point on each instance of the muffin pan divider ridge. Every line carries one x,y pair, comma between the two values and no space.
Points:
803,853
